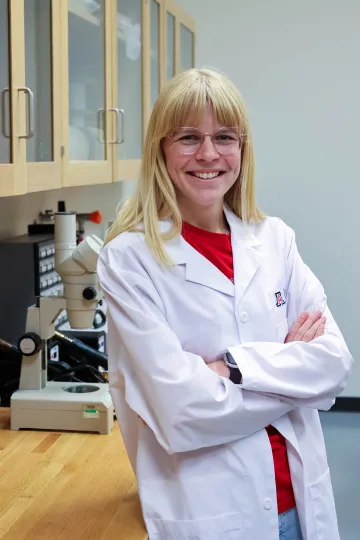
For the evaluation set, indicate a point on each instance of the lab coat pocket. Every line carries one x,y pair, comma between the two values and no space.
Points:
324,511
282,330
224,527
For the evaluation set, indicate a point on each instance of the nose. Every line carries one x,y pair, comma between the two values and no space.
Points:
207,151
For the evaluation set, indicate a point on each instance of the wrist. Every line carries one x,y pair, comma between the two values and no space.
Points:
218,366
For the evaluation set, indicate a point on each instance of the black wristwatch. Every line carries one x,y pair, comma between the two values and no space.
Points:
235,373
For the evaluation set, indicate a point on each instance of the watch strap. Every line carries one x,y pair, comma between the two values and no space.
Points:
235,376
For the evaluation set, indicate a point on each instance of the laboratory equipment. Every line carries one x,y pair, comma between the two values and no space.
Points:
27,270
60,405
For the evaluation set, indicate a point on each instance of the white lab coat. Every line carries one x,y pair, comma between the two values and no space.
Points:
203,462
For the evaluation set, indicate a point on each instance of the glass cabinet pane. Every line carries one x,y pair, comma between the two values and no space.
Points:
38,65
5,119
86,80
170,49
186,48
154,50
129,78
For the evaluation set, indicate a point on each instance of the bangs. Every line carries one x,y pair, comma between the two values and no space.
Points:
186,105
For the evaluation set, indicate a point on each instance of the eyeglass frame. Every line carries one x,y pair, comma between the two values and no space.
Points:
242,136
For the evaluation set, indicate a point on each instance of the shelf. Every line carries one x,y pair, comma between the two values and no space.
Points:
92,19
82,14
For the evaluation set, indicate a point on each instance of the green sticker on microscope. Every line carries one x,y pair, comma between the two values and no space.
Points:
91,413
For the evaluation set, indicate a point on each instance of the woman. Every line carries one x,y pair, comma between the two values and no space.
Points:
216,399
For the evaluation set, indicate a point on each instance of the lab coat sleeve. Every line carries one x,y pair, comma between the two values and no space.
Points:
307,374
182,401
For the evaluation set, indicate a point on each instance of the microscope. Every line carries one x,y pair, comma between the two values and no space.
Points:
58,405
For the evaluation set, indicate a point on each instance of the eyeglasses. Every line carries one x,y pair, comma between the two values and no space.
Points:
188,140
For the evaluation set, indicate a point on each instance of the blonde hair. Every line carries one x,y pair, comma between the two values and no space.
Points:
183,100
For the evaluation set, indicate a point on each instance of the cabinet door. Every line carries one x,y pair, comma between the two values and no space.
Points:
87,84
42,90
156,46
186,41
12,103
128,109
170,39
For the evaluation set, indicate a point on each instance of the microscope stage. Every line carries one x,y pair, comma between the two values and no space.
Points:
64,406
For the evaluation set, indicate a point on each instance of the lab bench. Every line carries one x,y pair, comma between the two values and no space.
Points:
66,486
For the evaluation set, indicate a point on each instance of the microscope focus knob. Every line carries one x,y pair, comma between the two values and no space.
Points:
30,343
89,293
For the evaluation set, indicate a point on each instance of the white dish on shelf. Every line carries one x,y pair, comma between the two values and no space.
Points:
79,146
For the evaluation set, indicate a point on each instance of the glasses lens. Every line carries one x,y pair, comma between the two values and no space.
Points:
226,141
188,140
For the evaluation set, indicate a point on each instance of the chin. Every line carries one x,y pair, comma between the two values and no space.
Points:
210,195
208,201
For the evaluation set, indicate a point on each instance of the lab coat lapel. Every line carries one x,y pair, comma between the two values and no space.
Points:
246,254
200,270
197,268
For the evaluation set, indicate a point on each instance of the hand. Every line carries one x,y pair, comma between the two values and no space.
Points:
307,327
219,367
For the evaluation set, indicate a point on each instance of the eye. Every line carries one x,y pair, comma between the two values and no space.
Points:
223,137
226,138
189,137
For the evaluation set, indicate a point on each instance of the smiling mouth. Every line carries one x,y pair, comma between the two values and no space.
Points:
206,175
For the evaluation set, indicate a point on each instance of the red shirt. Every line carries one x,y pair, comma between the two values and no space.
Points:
218,250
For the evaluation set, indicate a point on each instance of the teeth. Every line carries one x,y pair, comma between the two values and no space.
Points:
206,176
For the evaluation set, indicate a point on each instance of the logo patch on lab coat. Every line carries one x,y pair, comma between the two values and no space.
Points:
280,299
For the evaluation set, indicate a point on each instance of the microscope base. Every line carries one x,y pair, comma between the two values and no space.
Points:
64,406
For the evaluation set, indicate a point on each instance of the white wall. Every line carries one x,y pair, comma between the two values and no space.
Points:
297,66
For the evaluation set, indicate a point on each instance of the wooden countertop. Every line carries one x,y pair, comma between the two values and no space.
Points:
65,486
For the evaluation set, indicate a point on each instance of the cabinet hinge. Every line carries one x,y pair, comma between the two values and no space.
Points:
62,151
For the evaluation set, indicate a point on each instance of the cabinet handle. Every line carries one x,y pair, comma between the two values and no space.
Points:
122,137
119,138
30,112
3,113
100,125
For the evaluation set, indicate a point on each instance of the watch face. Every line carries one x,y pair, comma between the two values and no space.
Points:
231,360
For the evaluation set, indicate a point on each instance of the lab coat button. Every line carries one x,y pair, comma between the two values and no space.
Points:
244,317
268,504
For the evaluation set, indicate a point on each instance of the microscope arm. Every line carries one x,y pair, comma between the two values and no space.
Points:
76,266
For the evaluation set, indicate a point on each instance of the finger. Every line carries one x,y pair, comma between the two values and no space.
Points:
311,333
321,330
295,327
312,319
292,335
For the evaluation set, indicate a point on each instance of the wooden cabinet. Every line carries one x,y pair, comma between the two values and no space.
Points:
87,96
78,80
30,138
